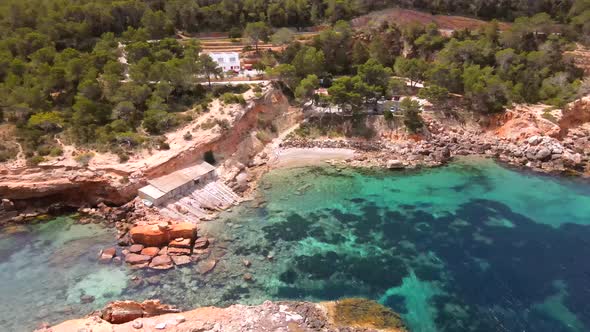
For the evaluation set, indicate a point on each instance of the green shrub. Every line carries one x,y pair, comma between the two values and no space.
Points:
157,122
161,144
35,160
235,32
84,158
187,136
230,98
263,136
123,156
44,150
56,151
224,124
206,125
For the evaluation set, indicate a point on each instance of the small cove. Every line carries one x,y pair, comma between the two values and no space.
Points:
472,246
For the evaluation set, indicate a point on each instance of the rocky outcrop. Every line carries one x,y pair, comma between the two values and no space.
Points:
163,234
120,312
351,315
163,245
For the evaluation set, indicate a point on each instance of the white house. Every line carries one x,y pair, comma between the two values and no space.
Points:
227,60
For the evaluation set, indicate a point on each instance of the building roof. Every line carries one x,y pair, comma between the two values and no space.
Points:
179,178
236,54
152,191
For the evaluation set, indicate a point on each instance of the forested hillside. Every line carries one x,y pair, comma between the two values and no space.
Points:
60,73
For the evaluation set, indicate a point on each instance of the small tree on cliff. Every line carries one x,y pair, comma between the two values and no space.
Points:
411,112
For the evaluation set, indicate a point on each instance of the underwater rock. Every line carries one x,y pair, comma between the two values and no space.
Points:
207,266
161,262
86,299
365,313
117,261
201,243
181,260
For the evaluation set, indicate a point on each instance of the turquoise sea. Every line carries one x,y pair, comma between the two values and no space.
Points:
472,246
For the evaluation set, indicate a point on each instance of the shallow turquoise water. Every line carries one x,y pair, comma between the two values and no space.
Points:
472,246
46,267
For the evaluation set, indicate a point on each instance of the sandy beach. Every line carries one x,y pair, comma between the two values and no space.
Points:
298,157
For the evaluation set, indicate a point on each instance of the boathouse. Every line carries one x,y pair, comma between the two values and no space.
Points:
177,183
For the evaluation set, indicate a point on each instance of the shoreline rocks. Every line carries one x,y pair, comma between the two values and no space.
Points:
353,315
160,246
539,153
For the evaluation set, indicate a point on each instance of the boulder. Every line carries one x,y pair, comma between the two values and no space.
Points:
149,235
543,154
161,262
136,248
150,251
107,255
184,230
534,140
395,164
161,235
135,259
7,205
120,312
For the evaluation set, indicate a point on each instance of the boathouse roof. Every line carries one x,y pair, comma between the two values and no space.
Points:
181,177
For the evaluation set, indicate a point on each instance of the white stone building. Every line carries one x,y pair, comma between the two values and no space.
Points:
227,60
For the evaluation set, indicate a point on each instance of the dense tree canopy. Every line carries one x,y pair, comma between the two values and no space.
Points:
60,70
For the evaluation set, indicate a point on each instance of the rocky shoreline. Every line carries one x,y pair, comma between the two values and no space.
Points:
346,315
569,156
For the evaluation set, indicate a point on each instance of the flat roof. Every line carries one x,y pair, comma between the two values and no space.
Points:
223,53
177,179
152,191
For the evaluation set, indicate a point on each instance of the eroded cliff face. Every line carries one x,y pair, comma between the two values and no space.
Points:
42,186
